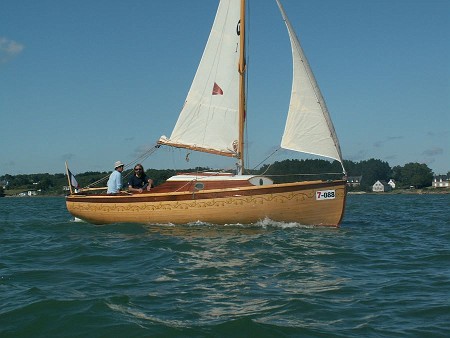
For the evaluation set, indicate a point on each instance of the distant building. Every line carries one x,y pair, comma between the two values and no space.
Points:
391,183
354,181
441,181
28,193
4,184
381,186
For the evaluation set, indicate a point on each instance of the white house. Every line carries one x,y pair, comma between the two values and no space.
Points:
381,186
354,181
391,183
441,181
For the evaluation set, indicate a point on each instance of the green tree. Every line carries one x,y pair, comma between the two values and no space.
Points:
45,183
371,171
310,169
413,174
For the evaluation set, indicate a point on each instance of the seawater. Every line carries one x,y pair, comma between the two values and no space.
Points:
384,273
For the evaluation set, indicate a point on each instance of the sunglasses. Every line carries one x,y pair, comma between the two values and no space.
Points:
137,169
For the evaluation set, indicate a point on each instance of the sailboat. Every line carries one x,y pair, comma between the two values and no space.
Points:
212,120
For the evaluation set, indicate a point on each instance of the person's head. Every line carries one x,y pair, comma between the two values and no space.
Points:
118,166
138,169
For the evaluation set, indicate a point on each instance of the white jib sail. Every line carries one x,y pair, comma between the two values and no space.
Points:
209,118
309,128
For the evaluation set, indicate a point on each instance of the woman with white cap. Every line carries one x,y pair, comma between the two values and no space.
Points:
115,179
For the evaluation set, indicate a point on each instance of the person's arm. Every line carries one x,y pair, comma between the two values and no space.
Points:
131,189
149,184
118,182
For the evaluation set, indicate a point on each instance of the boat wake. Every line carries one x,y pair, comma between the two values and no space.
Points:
77,220
267,222
264,224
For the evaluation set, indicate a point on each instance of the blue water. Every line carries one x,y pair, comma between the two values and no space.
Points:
384,273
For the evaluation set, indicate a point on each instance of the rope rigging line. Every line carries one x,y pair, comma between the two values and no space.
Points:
303,174
270,155
141,158
283,175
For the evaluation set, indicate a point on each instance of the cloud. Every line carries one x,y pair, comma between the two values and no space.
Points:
6,167
141,152
379,144
438,134
433,151
9,49
391,157
9,164
360,155
67,156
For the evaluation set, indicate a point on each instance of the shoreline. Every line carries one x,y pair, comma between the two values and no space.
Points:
443,191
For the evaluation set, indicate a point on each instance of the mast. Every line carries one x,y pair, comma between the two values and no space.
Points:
242,103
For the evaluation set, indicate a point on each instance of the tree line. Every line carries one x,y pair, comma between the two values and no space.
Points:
417,175
411,174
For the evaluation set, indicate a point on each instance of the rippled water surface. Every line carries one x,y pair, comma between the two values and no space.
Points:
384,273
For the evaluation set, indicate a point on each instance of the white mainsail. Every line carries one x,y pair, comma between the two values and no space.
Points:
308,127
209,119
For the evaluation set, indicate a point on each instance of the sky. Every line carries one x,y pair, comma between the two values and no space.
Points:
93,82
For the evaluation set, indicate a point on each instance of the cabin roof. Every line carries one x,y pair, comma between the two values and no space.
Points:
201,177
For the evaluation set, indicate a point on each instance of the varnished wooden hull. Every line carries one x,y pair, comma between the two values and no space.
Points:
289,202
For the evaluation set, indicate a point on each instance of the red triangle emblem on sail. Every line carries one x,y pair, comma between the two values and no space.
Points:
217,90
